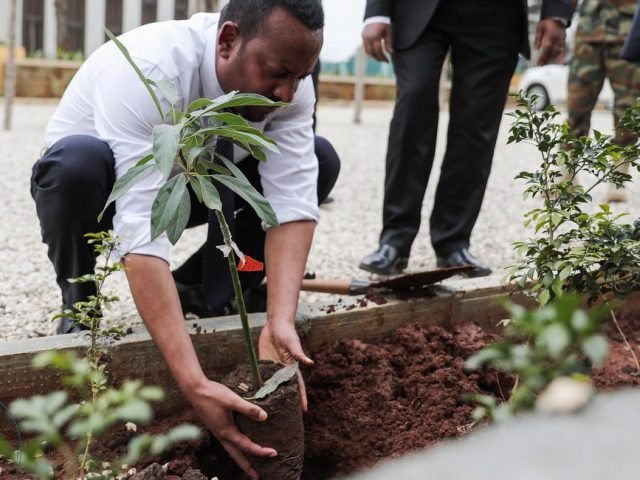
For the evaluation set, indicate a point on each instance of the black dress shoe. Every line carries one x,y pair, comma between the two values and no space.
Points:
192,301
386,260
67,325
463,257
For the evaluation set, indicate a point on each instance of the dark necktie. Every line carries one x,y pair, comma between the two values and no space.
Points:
217,286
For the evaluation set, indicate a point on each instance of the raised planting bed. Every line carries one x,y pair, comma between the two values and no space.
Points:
387,380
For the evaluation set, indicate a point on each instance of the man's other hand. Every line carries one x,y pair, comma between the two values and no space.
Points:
215,404
550,41
280,343
376,38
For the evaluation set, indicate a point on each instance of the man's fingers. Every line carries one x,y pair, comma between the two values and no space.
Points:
378,51
296,352
240,459
303,392
543,58
248,409
372,39
245,444
388,40
368,47
538,38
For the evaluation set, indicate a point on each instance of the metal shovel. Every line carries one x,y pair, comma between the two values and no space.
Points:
401,283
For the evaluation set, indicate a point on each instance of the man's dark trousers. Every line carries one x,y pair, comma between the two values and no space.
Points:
484,37
70,185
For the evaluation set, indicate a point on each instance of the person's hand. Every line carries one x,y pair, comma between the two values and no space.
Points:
550,40
279,342
214,403
376,38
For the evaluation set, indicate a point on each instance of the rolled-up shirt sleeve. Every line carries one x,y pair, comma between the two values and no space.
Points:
290,177
124,118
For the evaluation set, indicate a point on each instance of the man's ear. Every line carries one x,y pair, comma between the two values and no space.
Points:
228,38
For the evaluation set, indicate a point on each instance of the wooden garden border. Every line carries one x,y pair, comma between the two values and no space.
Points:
219,343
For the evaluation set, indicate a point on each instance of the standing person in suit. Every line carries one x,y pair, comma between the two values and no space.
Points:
485,37
602,29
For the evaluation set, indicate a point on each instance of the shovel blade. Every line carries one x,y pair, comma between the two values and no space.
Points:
420,279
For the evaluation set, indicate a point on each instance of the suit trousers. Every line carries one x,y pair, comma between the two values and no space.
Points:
72,181
483,37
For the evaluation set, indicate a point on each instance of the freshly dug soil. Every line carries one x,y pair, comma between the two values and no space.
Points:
620,370
368,402
283,430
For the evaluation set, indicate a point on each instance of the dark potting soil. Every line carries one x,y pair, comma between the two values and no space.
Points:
373,401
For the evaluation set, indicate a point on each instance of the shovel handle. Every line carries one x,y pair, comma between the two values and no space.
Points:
323,285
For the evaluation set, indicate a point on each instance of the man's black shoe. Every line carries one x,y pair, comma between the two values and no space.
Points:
66,325
463,257
386,260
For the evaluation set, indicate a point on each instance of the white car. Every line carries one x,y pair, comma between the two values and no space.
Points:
549,83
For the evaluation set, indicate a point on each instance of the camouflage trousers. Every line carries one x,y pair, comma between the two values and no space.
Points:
592,62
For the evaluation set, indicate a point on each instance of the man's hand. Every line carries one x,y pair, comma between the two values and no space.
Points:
376,38
550,40
214,403
156,297
279,342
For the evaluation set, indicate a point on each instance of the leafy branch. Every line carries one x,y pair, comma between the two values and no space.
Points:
70,424
573,253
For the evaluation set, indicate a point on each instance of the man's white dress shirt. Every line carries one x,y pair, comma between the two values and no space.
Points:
107,100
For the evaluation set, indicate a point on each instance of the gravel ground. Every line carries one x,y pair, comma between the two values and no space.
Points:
347,232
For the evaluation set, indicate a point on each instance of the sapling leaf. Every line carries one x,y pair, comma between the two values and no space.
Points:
166,204
209,193
180,221
226,250
168,90
281,376
228,118
207,164
244,136
194,153
125,182
166,140
147,83
251,196
244,99
198,104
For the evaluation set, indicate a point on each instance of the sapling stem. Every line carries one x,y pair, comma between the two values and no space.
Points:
253,360
624,337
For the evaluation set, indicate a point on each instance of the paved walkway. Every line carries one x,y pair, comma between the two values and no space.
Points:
348,230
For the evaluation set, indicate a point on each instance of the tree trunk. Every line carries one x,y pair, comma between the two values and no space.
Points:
10,68
63,38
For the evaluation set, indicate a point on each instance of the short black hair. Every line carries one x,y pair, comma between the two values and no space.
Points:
251,15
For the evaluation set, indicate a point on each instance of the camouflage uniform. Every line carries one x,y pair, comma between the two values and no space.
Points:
602,29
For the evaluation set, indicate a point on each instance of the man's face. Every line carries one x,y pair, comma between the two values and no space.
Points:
271,64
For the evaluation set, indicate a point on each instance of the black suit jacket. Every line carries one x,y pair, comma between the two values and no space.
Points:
410,18
631,50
